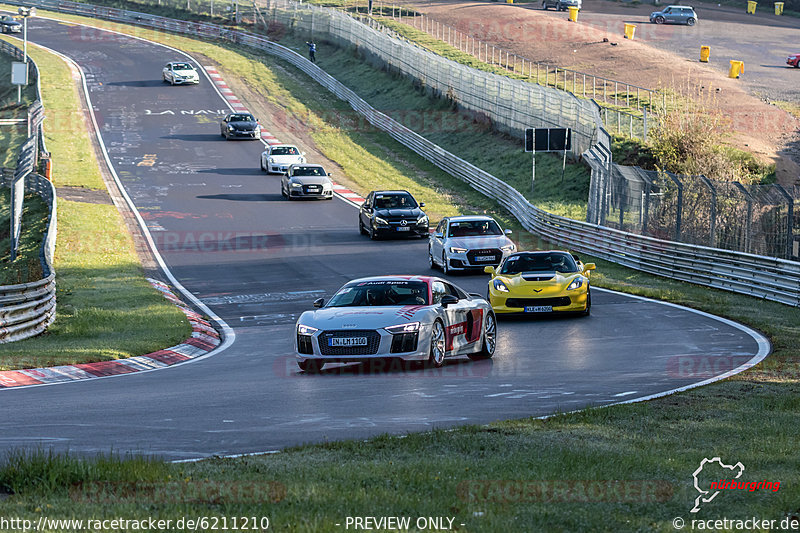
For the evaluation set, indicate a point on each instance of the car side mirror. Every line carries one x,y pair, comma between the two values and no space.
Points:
449,299
589,266
508,232
438,235
302,153
489,270
319,302
422,204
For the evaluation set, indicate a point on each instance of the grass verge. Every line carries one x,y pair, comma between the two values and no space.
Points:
640,458
27,266
106,307
12,136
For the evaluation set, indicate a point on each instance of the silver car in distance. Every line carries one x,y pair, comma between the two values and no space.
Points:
468,243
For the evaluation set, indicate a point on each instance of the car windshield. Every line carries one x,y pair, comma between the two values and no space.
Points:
284,150
182,66
539,262
308,171
381,294
394,201
473,228
242,118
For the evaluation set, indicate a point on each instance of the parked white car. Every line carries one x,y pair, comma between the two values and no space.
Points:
180,73
277,158
468,243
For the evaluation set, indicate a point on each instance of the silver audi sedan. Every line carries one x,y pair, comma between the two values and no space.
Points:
468,243
306,181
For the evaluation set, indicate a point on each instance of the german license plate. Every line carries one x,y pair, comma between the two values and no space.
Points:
403,228
485,258
344,342
539,309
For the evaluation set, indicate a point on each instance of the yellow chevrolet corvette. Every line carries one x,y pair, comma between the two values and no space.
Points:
540,282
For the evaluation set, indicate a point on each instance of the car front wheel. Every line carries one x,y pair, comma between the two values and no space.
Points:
445,265
659,20
431,263
544,6
691,22
588,310
437,351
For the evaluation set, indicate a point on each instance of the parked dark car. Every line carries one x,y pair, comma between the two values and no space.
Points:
10,25
240,126
392,213
561,5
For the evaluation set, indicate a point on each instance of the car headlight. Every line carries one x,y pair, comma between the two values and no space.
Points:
508,248
454,250
379,220
271,160
500,286
403,328
577,283
423,219
298,185
306,330
231,128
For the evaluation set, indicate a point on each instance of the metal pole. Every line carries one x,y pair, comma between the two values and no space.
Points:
24,39
533,169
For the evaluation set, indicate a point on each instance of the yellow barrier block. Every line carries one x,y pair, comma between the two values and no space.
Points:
751,6
630,30
509,1
737,67
573,13
705,53
779,8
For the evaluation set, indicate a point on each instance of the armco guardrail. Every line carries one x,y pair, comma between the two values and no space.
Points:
27,309
764,277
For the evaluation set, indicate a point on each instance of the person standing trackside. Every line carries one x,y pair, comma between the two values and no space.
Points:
312,50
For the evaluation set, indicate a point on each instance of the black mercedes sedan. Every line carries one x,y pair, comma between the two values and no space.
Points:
392,214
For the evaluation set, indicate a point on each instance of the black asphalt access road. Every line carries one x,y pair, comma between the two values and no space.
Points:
251,397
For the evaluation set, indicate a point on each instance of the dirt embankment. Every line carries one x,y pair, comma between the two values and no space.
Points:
526,30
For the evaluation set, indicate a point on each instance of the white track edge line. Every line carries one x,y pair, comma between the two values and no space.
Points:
229,336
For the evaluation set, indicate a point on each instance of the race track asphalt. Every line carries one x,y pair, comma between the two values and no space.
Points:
258,261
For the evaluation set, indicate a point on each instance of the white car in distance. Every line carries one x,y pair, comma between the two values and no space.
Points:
180,73
277,158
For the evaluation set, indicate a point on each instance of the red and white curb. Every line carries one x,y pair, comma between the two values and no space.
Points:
203,340
233,100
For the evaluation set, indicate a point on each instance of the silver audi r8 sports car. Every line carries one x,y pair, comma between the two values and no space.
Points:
415,318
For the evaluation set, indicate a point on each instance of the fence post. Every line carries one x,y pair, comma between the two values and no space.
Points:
789,219
749,220
644,123
712,241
